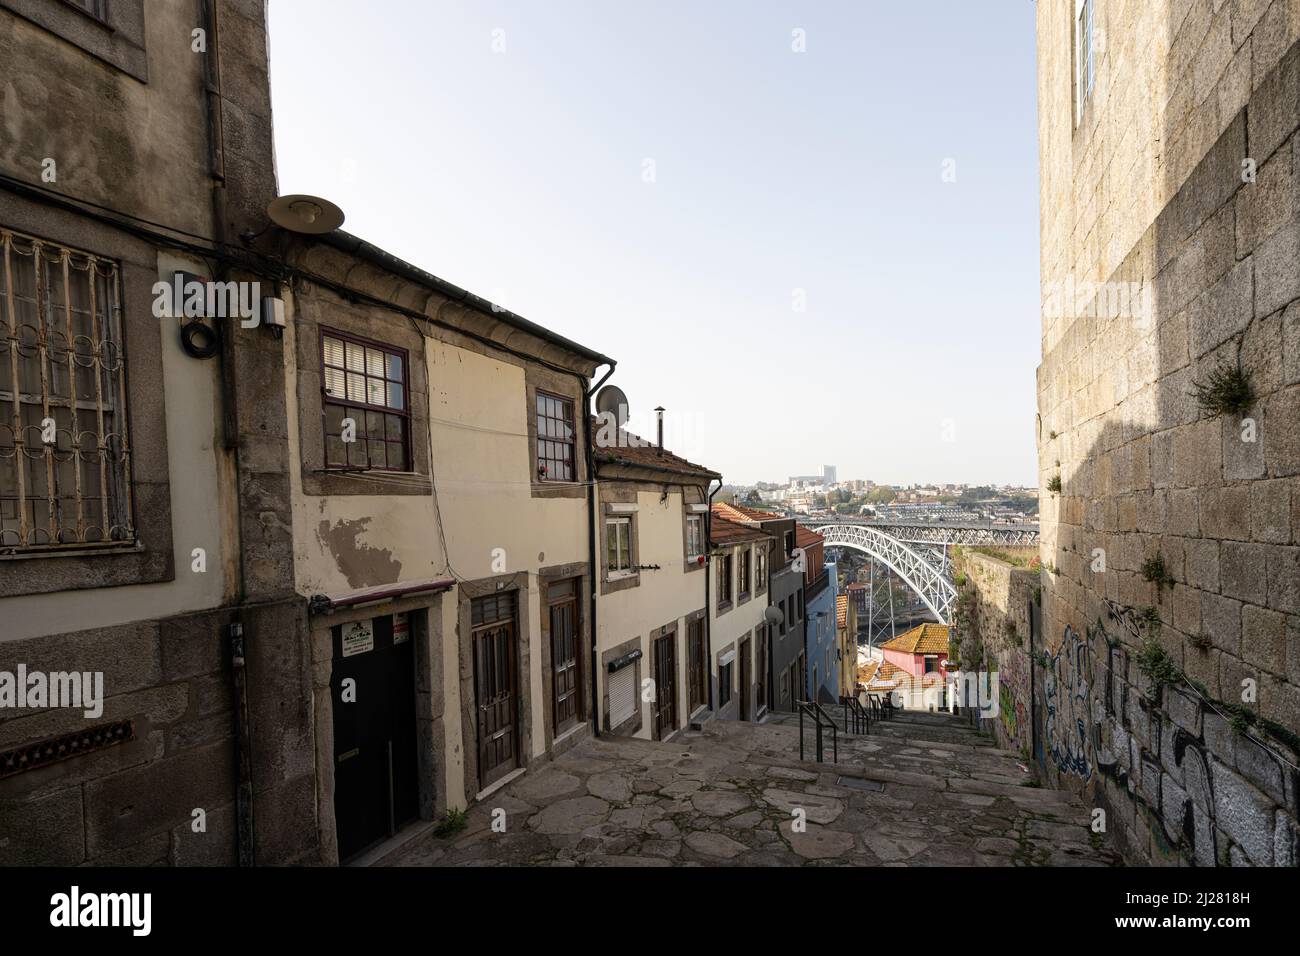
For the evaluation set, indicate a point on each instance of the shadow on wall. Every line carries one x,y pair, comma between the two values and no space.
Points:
1170,690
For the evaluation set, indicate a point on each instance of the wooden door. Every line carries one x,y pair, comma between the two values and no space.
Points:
697,666
496,687
760,672
566,661
744,679
665,677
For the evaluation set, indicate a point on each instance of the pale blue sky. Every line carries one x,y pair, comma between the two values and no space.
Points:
520,175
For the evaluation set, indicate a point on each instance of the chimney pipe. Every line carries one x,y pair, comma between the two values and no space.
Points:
659,410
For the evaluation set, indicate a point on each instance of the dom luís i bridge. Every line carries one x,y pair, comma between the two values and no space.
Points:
917,554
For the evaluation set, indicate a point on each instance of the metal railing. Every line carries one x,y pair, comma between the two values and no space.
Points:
857,719
821,721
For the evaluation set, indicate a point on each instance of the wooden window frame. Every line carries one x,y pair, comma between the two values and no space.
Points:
746,566
542,469
327,332
726,582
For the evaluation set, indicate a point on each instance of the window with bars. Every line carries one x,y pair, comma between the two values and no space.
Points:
555,438
367,414
65,460
618,545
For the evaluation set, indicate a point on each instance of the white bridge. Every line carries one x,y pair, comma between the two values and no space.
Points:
919,553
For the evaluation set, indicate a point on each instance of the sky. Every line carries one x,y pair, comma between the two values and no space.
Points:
808,229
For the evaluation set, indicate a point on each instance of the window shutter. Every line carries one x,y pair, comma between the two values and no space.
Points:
622,696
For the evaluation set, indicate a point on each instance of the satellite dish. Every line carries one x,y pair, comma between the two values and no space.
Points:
307,214
610,400
773,615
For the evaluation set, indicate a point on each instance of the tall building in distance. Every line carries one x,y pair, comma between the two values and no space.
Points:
828,474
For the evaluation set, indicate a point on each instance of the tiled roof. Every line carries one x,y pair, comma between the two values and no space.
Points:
879,675
842,610
804,538
722,531
923,639
742,513
632,453
856,586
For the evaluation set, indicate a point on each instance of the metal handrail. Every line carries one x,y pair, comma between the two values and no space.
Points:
855,715
821,720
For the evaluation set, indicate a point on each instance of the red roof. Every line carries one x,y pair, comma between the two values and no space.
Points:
805,538
631,452
722,531
742,513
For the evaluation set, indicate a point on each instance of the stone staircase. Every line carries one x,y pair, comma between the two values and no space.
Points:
918,790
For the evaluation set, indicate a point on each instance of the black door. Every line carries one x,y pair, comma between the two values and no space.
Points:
665,705
566,669
496,686
376,788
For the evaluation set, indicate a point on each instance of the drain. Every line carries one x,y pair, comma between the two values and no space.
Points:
858,783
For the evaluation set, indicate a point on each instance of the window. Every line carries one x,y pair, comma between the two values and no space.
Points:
555,438
724,684
367,416
65,461
724,580
745,559
694,536
1085,63
789,543
931,665
618,545
760,581
96,8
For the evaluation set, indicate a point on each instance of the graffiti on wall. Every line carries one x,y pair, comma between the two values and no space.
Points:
1065,695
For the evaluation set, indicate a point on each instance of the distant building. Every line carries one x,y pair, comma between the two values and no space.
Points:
828,474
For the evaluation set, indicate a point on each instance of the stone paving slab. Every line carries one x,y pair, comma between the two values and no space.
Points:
736,794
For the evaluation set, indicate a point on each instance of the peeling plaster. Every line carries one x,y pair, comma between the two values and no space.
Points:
361,564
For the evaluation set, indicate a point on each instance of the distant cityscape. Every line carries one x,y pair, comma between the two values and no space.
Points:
825,495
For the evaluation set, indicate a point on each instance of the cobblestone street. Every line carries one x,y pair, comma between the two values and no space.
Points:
920,790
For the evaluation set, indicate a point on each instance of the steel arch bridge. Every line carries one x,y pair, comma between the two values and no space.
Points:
931,580
941,534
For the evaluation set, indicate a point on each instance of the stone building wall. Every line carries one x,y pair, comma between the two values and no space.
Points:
1171,696
1002,603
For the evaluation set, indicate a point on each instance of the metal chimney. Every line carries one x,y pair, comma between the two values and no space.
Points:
659,411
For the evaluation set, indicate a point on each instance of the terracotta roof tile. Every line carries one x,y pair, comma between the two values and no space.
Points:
804,538
922,639
722,531
742,513
842,610
632,453
880,675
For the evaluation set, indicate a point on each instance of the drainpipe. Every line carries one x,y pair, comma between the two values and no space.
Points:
708,579
592,507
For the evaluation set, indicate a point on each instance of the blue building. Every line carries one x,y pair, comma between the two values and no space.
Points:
821,586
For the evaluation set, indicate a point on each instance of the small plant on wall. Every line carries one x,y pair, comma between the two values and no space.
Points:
1155,571
1054,484
1225,391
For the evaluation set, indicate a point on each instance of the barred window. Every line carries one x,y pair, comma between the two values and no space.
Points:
364,384
65,461
555,438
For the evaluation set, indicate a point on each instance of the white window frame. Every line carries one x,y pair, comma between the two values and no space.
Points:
618,529
694,536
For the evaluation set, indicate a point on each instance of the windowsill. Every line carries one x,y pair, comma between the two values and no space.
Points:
619,575
328,481
82,552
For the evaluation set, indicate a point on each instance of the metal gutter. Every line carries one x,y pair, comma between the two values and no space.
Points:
325,604
353,245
